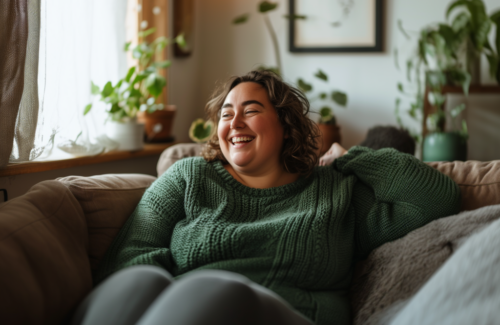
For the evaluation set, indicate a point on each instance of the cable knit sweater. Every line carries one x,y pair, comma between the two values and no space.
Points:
299,240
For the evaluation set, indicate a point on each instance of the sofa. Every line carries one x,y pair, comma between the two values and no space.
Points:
53,237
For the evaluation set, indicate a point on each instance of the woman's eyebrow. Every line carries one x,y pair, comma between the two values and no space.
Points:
248,102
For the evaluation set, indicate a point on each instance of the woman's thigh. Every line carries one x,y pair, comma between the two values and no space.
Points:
220,297
123,297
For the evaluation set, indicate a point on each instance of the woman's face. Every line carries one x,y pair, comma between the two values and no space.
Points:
250,133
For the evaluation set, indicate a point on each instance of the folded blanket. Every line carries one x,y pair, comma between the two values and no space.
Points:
394,272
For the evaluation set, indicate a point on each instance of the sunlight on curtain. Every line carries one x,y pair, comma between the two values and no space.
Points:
80,41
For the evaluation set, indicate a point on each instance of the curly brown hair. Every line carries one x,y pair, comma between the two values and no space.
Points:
300,149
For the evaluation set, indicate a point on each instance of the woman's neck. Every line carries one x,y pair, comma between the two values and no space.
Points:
262,180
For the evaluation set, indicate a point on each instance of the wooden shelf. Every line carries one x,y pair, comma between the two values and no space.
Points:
41,166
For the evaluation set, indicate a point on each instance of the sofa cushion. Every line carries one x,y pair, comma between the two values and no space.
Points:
44,267
107,201
395,271
170,155
479,181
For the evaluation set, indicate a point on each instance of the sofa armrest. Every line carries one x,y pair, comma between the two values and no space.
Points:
107,202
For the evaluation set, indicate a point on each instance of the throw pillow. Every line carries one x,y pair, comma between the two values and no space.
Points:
107,202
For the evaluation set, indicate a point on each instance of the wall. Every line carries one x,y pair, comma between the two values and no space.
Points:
223,49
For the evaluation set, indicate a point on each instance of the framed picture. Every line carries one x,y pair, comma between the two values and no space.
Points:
336,25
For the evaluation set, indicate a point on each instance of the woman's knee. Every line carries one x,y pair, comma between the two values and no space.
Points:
220,286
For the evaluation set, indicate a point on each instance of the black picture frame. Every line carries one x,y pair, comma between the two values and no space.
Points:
378,30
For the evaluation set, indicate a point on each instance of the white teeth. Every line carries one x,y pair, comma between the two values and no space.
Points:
241,139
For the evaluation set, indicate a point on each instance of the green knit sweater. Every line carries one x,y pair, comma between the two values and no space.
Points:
299,240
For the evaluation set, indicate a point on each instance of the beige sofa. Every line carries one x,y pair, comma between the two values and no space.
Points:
53,237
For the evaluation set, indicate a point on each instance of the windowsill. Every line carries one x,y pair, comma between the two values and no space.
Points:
41,166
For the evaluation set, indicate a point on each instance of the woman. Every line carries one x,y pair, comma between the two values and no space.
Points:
253,231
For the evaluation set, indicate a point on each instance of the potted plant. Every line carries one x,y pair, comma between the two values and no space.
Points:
327,124
137,92
447,54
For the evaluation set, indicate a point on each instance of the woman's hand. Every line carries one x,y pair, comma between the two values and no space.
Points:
333,153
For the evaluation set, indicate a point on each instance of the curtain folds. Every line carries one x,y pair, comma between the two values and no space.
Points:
27,118
13,42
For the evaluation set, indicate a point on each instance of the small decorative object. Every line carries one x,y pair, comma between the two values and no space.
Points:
183,24
339,26
137,92
201,131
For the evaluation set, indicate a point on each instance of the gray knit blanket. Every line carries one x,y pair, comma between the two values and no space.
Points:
447,272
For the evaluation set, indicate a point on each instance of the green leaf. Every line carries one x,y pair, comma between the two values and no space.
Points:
454,5
266,6
304,86
465,131
396,112
181,41
327,116
460,22
325,111
155,84
127,46
454,112
321,75
147,32
409,67
87,109
241,19
402,30
115,108
481,35
163,64
94,89
340,98
107,90
323,95
201,131
295,17
495,18
129,74
400,87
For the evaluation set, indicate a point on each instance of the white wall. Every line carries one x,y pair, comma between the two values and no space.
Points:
222,49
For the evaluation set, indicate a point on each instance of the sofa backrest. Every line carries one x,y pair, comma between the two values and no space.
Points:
479,181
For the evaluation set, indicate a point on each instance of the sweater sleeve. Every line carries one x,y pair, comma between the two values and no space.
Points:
145,236
395,194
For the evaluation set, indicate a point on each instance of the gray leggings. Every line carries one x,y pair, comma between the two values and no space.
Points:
149,295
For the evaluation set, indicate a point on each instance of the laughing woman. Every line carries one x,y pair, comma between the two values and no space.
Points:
253,232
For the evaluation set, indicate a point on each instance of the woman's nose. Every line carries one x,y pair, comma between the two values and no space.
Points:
237,122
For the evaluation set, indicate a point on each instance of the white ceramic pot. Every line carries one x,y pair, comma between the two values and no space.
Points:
129,135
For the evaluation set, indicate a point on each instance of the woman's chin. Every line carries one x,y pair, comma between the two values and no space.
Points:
240,161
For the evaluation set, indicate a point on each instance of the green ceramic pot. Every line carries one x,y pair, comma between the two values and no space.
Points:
445,146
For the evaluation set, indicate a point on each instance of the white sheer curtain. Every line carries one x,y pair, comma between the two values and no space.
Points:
80,41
